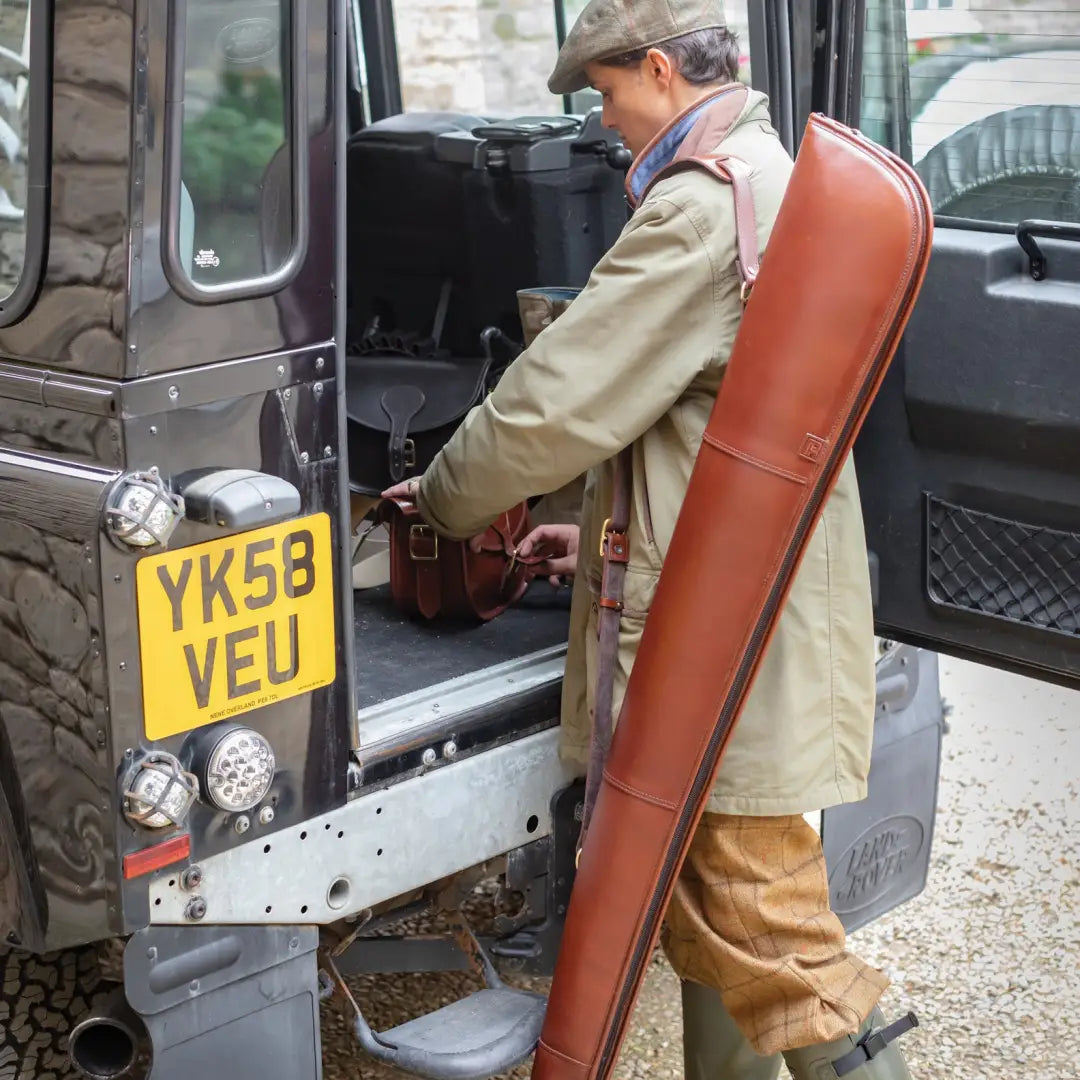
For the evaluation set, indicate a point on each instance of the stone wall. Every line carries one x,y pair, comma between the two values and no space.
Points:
476,55
488,55
13,161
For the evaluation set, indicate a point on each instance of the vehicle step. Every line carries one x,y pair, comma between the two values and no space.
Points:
482,1035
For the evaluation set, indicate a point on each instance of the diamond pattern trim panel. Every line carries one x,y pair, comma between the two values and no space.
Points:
992,566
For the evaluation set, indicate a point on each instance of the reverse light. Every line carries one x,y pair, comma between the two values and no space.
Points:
142,512
158,793
235,767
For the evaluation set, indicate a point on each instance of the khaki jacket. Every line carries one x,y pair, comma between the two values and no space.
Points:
638,359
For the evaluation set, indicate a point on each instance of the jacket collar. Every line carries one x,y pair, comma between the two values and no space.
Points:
698,129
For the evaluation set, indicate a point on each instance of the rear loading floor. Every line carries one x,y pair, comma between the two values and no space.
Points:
397,656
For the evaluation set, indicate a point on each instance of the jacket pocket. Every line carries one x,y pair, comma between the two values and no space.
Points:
639,588
646,511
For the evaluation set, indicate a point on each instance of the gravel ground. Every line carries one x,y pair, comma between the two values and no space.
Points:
986,955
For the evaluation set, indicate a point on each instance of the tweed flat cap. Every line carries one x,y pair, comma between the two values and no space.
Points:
607,28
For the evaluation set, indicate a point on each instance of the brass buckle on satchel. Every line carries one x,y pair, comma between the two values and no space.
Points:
423,532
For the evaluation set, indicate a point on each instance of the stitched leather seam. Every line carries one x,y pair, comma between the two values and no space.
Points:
893,311
751,460
626,789
559,1054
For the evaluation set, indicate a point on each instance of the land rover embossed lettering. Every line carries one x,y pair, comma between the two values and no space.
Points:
875,863
237,623
248,40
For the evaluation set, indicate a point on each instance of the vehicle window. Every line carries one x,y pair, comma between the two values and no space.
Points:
983,96
484,57
235,160
15,138
358,76
493,57
735,12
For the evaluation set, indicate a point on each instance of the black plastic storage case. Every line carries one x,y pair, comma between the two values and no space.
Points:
449,216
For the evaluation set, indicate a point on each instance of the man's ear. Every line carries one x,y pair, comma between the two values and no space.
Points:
659,66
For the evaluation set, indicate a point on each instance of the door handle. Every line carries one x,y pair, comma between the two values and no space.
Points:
1026,232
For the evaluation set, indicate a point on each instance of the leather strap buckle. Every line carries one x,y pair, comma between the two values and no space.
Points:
408,453
613,544
511,566
744,292
421,534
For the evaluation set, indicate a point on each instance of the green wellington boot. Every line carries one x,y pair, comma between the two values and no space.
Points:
713,1046
872,1054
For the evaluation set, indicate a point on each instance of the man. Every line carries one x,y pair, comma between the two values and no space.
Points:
637,360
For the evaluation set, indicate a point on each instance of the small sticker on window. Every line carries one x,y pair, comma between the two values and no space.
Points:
207,257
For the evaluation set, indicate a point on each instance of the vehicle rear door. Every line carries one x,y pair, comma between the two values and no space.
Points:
969,462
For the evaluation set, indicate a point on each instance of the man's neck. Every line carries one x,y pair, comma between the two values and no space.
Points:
665,145
688,95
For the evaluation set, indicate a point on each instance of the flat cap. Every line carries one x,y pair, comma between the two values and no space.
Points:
607,28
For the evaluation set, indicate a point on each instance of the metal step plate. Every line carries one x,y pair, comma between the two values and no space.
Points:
483,1035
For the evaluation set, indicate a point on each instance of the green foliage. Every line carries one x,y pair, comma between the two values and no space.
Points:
228,147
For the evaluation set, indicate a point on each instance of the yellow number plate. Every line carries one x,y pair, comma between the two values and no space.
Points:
234,624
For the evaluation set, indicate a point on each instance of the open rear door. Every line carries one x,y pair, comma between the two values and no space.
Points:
969,463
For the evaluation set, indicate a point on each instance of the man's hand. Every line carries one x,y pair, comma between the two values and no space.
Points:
405,490
562,541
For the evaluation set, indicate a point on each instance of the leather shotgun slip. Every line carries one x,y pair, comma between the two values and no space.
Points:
845,262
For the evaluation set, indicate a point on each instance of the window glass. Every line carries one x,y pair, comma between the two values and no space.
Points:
14,140
735,14
983,96
485,57
359,78
235,167
493,57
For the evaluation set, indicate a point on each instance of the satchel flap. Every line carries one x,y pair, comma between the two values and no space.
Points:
406,507
507,530
450,388
402,402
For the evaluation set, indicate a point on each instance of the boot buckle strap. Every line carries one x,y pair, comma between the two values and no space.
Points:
873,1043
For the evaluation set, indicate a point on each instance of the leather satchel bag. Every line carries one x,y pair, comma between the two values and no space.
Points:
436,577
405,396
402,410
